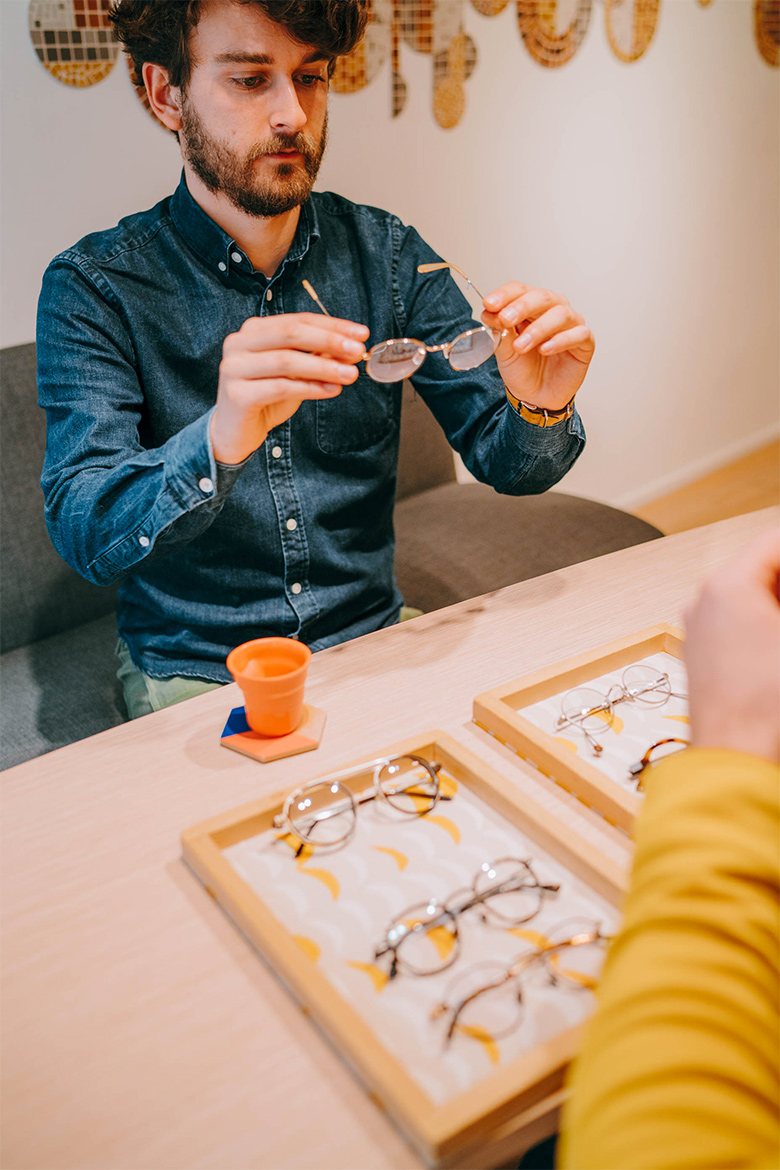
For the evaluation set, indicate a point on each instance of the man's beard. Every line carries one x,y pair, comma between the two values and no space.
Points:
224,172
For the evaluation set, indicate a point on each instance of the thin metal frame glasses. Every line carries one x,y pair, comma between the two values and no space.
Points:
323,814
591,710
424,939
400,357
487,1000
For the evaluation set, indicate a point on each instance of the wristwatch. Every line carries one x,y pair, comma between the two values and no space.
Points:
538,416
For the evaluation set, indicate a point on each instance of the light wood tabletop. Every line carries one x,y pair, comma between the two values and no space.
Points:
139,1028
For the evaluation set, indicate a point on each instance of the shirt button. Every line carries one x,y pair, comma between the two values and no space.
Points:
292,525
144,543
222,266
236,257
269,296
205,485
277,452
296,588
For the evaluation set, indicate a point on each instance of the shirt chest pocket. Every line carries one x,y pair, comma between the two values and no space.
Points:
364,415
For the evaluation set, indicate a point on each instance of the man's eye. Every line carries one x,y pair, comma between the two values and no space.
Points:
253,82
310,79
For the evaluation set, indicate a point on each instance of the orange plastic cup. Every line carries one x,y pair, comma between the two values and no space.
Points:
272,674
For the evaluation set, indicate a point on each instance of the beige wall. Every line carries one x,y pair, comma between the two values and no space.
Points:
647,193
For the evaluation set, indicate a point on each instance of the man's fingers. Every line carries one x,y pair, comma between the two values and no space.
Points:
757,564
579,337
501,297
529,306
308,332
262,365
555,321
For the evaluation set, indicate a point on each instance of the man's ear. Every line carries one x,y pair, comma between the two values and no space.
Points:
164,98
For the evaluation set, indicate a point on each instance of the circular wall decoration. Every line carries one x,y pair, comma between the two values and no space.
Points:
489,7
766,22
361,66
538,24
631,25
73,39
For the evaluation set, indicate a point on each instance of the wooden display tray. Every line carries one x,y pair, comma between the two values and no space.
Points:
497,711
509,1110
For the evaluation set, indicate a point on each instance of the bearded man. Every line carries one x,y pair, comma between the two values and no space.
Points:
218,443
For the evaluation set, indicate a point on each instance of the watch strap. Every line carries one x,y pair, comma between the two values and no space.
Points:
539,416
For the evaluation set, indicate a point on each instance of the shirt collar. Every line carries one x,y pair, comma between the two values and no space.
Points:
220,252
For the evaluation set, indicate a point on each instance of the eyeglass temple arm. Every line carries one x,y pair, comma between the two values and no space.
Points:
443,264
314,297
456,1011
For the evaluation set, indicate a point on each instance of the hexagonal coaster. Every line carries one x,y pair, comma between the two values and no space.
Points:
239,737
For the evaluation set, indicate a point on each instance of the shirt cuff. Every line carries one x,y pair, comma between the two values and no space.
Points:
194,475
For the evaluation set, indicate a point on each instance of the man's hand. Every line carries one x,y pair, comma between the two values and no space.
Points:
732,652
270,367
547,350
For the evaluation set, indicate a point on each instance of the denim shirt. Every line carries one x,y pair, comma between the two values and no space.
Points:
297,541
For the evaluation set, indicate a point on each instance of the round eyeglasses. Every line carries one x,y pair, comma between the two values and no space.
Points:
591,710
487,1000
424,939
400,357
324,813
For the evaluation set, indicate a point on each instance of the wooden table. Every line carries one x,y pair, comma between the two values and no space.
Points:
139,1029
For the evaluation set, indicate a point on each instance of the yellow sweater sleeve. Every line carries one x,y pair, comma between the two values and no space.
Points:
679,1066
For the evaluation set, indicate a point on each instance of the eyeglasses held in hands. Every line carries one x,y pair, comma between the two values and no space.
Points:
487,1000
424,938
399,358
591,711
323,814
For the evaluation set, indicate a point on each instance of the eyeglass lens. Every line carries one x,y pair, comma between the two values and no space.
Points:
425,939
646,685
517,893
392,361
409,786
472,349
323,814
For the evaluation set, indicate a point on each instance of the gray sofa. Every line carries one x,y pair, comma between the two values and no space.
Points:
57,631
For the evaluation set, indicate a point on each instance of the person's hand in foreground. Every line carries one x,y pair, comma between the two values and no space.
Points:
732,653
545,354
270,366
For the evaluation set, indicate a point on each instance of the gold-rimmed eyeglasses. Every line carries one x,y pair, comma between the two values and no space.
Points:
591,710
487,1000
323,814
424,939
400,357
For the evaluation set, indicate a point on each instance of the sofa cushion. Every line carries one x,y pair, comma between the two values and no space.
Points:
461,540
58,690
41,595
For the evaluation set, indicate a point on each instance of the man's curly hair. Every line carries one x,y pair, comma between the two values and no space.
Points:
159,30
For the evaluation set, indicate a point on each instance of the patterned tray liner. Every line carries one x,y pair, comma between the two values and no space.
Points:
633,728
338,905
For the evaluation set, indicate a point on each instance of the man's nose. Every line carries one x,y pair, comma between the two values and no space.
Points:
287,114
